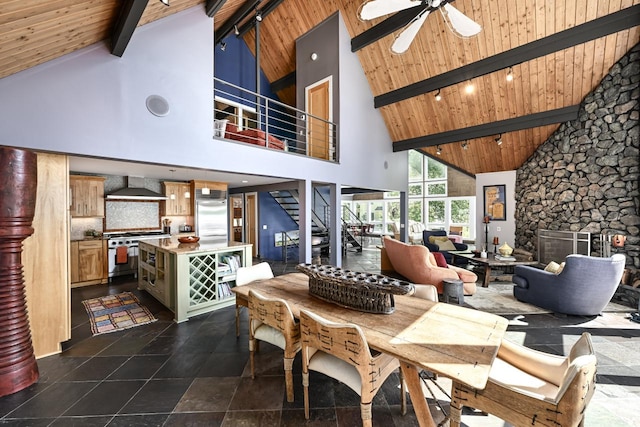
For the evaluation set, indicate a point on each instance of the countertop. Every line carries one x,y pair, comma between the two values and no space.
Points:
172,245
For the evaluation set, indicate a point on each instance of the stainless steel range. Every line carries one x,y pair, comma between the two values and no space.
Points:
123,251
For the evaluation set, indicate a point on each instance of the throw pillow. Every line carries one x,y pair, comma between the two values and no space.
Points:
440,260
446,245
436,239
554,267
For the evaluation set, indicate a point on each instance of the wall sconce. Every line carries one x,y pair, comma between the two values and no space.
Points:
438,96
510,74
314,56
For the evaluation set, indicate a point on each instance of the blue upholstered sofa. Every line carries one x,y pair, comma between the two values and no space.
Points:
434,248
584,287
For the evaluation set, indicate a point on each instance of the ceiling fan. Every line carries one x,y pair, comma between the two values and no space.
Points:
457,21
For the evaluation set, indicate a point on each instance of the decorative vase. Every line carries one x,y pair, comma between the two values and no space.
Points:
505,249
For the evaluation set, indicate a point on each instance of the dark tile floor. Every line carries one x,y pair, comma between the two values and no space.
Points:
196,373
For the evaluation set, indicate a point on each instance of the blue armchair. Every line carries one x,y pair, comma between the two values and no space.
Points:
583,288
434,248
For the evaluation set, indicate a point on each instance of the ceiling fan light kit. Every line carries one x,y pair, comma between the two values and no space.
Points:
456,21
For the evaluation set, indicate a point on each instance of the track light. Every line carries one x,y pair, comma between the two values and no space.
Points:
165,2
235,30
499,140
438,150
223,46
465,145
258,16
510,74
469,89
438,96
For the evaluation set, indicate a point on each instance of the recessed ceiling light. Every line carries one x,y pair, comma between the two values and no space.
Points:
244,181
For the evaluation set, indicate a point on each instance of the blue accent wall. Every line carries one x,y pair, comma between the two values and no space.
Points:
277,220
237,65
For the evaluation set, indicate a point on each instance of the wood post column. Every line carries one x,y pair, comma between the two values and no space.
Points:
18,181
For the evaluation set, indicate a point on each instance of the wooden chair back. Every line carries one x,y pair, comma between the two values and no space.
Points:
273,312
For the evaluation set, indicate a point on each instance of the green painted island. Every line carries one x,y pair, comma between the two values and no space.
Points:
191,278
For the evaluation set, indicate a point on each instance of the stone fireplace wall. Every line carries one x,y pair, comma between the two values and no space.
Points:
585,177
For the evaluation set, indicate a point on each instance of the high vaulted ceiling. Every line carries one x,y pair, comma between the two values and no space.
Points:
35,31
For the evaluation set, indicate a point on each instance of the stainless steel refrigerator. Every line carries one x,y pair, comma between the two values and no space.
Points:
211,219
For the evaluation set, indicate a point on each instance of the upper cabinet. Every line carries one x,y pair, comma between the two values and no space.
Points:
87,196
178,198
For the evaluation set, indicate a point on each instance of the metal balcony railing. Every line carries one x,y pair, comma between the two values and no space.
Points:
245,116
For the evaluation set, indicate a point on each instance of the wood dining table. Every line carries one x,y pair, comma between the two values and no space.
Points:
453,341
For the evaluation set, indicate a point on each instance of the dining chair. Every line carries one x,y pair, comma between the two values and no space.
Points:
245,275
529,387
271,320
340,351
426,292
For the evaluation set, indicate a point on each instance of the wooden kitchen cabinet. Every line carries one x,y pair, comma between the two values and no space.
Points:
87,196
177,202
87,262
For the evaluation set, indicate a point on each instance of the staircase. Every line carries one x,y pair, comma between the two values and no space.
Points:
289,201
351,231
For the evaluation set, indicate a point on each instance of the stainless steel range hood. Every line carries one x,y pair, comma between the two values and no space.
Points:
135,191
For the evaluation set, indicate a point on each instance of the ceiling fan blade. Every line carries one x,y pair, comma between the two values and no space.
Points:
404,39
460,22
376,8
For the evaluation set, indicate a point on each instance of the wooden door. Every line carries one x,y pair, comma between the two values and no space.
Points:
252,222
318,100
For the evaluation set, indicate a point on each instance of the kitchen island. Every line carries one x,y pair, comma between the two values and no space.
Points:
191,278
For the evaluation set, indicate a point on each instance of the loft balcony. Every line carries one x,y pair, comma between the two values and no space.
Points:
244,116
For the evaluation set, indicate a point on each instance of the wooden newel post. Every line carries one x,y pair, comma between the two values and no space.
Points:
18,181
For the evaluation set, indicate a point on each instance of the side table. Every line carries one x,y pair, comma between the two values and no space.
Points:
453,291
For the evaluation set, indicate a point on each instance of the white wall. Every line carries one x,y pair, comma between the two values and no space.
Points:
93,103
507,228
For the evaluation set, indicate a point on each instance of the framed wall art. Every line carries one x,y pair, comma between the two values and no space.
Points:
495,202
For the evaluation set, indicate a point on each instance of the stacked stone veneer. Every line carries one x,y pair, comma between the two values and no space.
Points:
585,177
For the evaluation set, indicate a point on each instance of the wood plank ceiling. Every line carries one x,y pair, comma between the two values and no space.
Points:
36,31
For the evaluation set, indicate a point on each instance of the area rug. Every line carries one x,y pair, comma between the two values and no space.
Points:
499,299
116,312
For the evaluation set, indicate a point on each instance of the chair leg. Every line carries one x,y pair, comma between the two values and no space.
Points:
237,321
455,409
305,384
365,413
252,345
288,378
403,394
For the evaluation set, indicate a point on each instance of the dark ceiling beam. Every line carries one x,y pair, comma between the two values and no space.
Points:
284,82
535,120
264,12
384,28
609,24
212,6
130,14
226,28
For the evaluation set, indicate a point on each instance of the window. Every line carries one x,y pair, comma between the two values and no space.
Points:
243,116
428,201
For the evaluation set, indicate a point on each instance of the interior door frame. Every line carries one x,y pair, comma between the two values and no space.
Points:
252,226
307,90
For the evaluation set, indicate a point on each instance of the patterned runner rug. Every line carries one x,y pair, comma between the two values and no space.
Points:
116,312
